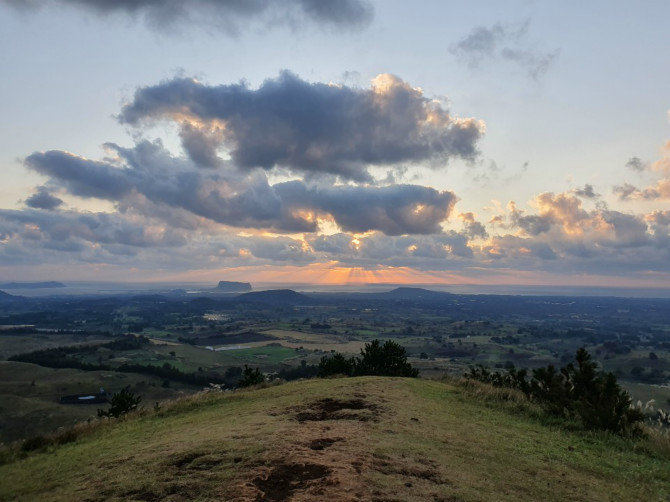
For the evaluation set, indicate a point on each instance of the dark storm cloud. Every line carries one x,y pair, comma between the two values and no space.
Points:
224,15
150,173
506,43
42,199
312,128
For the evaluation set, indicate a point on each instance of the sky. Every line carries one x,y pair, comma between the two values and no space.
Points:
519,142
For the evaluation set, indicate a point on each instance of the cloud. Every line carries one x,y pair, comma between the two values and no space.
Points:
227,16
586,193
473,228
393,210
504,43
635,164
562,236
42,199
659,190
309,128
149,175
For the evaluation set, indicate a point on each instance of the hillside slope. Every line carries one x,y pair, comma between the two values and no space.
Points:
376,439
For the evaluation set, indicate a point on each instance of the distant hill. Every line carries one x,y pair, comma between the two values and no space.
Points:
233,287
5,296
341,439
275,297
32,285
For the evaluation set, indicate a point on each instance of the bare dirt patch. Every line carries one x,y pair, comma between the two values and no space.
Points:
338,409
323,443
285,479
409,471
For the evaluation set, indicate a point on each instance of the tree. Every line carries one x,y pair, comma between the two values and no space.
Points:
122,402
389,359
336,364
251,377
578,391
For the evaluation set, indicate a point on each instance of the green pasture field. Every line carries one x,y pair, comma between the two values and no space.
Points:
29,396
13,344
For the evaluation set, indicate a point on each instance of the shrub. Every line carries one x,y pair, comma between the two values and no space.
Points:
336,364
389,359
578,391
251,377
122,402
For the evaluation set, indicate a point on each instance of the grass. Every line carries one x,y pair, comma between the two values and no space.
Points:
29,393
421,440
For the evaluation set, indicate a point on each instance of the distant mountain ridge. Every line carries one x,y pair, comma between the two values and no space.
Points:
409,292
275,297
32,285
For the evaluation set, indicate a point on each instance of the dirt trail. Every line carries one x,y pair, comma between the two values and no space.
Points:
321,457
326,455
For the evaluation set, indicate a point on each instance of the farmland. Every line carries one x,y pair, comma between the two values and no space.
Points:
164,346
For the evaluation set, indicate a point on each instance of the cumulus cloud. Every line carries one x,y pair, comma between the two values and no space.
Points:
393,210
437,252
42,199
561,235
223,15
658,190
505,43
149,171
309,128
473,228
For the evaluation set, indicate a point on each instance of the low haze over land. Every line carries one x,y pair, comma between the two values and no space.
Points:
347,142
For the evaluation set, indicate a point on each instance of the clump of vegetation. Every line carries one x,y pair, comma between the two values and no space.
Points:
388,359
250,377
577,391
122,402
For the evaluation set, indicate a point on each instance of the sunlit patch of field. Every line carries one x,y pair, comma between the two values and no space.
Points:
317,341
305,336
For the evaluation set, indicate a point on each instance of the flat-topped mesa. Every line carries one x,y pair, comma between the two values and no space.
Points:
233,287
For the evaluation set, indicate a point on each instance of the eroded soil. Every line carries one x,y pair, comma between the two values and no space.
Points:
327,456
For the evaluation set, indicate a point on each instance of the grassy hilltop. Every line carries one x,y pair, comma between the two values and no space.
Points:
367,438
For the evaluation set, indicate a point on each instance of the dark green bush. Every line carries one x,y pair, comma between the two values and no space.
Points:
336,364
388,359
122,402
578,391
251,377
